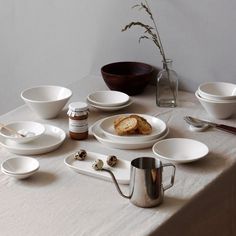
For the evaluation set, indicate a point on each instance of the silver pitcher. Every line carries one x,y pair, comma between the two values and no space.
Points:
146,189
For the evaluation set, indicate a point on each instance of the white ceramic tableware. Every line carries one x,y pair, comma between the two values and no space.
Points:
102,138
158,128
108,98
112,108
121,170
31,130
180,150
217,91
218,109
46,101
52,138
19,176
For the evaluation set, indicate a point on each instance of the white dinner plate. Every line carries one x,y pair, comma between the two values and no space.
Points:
102,138
121,170
180,150
108,98
52,138
113,108
158,128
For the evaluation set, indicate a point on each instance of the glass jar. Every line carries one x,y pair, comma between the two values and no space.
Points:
78,120
167,86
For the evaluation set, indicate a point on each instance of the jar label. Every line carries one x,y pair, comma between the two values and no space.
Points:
78,126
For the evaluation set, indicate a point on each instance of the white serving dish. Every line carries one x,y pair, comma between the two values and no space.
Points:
180,150
158,128
112,108
121,170
34,128
217,91
46,101
52,138
20,165
108,98
19,176
218,109
102,138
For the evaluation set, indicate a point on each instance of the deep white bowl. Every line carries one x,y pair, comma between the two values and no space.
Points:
217,91
46,101
218,109
108,98
20,167
32,130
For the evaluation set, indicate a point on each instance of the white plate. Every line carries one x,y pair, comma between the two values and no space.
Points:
113,108
108,98
121,170
52,138
19,176
102,138
180,150
158,128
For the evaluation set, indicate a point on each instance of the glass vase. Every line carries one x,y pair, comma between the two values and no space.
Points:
167,86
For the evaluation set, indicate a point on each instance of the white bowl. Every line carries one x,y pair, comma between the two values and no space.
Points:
108,98
32,130
46,101
217,91
180,150
218,109
20,166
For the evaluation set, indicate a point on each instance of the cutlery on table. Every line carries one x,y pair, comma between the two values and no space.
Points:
200,123
2,126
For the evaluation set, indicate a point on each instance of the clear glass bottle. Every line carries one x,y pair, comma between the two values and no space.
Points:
167,86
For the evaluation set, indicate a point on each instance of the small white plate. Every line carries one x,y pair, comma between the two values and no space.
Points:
19,176
113,108
108,98
102,138
158,128
22,127
20,165
180,150
49,141
121,170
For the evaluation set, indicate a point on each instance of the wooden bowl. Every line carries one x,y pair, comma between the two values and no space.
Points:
128,77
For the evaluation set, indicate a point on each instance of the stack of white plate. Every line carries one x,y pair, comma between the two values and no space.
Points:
20,167
103,130
109,100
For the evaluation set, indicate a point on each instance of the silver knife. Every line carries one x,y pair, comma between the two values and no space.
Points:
222,127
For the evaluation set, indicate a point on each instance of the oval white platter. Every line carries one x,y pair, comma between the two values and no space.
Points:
180,150
121,170
102,138
52,138
158,128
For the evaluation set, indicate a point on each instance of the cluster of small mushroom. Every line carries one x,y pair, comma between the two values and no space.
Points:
98,163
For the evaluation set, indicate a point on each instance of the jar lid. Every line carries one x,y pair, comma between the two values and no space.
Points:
78,106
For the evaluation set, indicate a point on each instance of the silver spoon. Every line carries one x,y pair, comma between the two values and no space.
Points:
196,125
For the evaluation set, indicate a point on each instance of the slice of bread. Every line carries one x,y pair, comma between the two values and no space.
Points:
143,126
127,125
118,120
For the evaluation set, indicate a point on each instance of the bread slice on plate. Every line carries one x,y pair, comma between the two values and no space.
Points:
143,126
126,125
119,119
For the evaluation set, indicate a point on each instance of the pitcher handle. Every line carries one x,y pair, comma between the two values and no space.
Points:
172,180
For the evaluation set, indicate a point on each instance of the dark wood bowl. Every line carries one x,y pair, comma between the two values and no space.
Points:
128,77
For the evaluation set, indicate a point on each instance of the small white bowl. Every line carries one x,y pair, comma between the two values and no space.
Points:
218,109
180,150
20,167
108,98
46,101
217,91
32,130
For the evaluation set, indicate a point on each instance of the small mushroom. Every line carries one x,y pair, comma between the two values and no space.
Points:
97,164
80,155
112,160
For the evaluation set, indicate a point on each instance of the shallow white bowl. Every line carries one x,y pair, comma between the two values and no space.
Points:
218,109
108,98
20,165
217,91
36,129
180,150
46,101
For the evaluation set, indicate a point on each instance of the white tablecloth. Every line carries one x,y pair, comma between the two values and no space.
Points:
58,201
